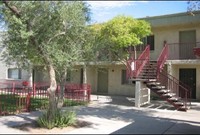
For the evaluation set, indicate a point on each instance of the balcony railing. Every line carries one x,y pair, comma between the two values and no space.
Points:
181,51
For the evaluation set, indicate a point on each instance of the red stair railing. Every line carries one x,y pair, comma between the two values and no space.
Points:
170,82
139,63
175,86
162,58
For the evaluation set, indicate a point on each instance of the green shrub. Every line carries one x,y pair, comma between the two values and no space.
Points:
60,119
39,103
68,102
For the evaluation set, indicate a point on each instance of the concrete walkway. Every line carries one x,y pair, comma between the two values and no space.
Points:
117,115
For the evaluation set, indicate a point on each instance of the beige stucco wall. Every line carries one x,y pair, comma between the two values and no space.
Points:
114,86
92,78
25,75
41,76
175,73
171,35
75,75
114,80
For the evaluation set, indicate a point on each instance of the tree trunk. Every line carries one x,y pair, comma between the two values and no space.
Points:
62,89
51,91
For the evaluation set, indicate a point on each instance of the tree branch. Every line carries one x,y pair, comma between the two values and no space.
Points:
122,59
16,12
62,33
13,9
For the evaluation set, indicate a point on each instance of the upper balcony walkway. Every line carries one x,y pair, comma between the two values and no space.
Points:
183,51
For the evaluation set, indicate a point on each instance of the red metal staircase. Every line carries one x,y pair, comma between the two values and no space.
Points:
160,82
168,88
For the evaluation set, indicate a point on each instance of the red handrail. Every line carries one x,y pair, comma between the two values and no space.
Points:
170,81
176,86
138,63
162,58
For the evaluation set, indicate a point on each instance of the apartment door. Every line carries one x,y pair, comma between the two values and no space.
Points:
188,76
187,40
102,86
81,76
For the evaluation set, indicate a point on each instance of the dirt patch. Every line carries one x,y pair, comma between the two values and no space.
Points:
34,128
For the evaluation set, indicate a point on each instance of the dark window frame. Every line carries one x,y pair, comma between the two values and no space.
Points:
9,75
123,77
151,42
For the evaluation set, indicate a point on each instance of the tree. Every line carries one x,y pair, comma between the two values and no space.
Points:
193,6
122,32
47,33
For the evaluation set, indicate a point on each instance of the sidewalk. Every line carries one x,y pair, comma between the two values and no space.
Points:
7,122
117,115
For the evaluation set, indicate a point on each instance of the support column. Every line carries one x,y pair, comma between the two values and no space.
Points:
30,77
84,74
85,81
142,94
169,68
137,93
149,95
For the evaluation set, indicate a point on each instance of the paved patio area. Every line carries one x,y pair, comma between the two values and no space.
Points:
117,115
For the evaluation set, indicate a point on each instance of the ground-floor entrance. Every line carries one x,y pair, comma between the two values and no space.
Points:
102,87
188,76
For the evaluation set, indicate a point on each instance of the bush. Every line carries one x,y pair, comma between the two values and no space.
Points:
60,120
39,103
68,102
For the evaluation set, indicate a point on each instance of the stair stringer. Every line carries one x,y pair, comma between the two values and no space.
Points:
178,104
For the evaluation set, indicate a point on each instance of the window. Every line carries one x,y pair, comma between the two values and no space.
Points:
150,41
123,77
14,73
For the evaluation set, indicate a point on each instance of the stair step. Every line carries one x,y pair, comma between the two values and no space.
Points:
145,77
179,103
158,87
149,69
152,80
175,99
163,91
147,74
169,94
153,83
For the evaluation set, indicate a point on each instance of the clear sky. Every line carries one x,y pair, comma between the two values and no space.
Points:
105,10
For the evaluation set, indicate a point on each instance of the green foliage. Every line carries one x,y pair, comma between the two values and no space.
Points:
42,103
46,32
125,31
39,103
121,32
60,120
68,102
11,103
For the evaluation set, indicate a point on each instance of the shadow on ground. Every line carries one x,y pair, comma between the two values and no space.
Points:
158,126
20,119
156,120
141,120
